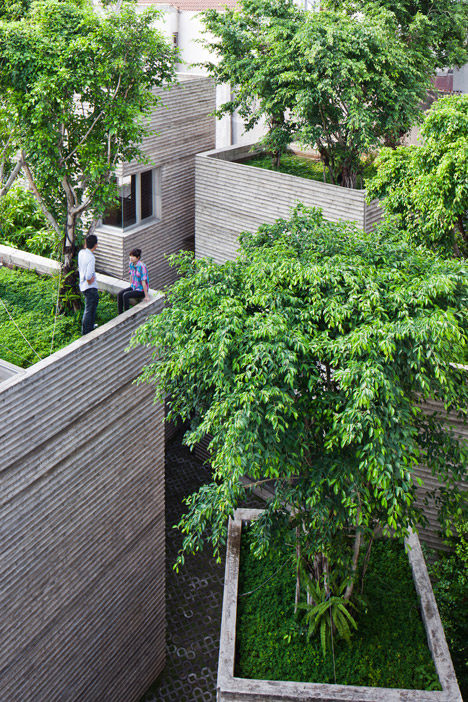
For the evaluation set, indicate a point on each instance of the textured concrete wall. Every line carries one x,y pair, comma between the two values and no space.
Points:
430,533
183,127
82,523
232,198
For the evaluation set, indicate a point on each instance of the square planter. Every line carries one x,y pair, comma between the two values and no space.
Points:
234,689
232,197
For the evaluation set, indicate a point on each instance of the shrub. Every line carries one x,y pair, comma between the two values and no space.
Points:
23,226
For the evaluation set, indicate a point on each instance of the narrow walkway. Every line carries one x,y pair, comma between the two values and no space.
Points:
193,597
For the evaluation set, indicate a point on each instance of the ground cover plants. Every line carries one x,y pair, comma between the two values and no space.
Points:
306,360
388,649
31,300
306,167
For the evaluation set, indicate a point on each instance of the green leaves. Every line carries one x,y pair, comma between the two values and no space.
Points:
425,187
341,82
77,86
304,361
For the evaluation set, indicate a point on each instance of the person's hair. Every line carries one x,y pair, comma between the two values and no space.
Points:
135,252
91,240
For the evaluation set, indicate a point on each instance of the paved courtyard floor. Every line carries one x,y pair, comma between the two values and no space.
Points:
193,597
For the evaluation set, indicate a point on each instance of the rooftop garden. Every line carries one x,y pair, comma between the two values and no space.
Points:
31,327
344,81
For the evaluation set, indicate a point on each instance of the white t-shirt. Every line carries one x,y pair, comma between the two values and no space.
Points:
86,267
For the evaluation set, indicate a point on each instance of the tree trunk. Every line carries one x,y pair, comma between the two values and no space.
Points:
298,565
276,160
69,297
356,551
348,177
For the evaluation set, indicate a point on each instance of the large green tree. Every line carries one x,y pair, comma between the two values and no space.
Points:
439,29
339,83
77,84
425,187
356,85
307,361
250,46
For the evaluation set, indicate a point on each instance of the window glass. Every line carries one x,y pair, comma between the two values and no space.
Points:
146,194
123,214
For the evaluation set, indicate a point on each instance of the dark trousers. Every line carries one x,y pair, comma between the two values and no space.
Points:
124,296
89,315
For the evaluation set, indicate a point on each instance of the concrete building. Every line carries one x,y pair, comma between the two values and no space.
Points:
182,24
156,207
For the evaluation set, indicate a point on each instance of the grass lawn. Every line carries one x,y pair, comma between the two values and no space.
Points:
389,649
303,166
31,300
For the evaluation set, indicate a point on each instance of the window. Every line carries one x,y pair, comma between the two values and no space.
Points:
137,200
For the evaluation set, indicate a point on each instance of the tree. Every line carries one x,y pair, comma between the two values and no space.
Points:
307,360
356,86
338,83
437,29
251,43
425,187
78,85
9,165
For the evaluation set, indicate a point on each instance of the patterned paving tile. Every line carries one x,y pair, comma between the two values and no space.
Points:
193,597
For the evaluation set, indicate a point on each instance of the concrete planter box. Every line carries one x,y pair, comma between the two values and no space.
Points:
231,198
233,689
82,573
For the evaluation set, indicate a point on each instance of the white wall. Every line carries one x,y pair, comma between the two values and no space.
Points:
460,79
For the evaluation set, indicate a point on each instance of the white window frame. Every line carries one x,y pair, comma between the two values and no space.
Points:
156,202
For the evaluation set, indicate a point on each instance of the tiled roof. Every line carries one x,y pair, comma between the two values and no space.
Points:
193,5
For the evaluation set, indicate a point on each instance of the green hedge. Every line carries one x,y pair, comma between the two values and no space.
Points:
388,650
30,299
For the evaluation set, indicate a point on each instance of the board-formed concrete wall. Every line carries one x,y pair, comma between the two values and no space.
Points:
234,197
183,127
82,523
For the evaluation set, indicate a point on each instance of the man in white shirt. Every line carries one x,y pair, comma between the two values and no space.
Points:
88,284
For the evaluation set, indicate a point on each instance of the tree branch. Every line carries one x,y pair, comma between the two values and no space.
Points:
12,177
95,121
48,215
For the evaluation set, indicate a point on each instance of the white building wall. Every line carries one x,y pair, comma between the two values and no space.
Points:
460,79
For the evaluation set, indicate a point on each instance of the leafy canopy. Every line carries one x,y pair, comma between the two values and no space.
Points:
306,360
426,187
77,85
437,29
252,47
356,86
337,82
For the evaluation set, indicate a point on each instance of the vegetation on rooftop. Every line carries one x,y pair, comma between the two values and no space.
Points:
75,87
389,648
343,80
29,328
306,167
